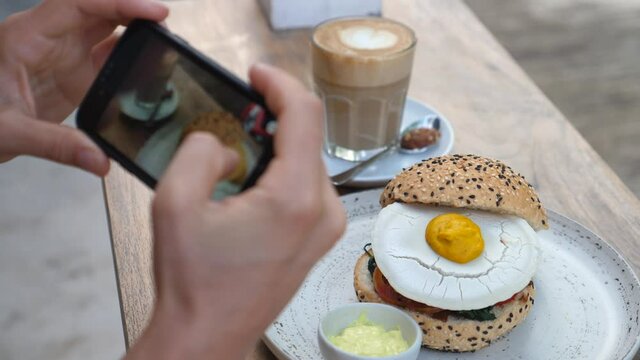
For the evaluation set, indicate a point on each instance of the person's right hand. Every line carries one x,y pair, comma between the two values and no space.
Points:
224,270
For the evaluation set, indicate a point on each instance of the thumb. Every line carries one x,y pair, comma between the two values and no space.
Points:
60,143
200,163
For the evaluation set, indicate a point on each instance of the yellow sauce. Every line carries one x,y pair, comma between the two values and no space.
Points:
365,338
455,237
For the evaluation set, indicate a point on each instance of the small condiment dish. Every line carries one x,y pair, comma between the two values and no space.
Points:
387,316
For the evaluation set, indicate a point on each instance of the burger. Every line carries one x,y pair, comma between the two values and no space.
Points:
455,246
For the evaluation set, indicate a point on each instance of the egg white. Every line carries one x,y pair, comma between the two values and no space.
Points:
413,269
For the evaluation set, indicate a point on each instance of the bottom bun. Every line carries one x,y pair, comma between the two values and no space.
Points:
455,334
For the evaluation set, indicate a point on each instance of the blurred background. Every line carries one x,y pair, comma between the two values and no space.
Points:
583,54
59,298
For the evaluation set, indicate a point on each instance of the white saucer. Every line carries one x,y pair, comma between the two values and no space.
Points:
129,106
385,169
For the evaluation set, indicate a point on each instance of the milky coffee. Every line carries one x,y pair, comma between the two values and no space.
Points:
361,69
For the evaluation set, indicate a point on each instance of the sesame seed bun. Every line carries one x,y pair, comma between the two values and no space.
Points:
455,334
467,181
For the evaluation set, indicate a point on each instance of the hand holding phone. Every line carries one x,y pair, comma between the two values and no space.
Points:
154,90
42,82
226,269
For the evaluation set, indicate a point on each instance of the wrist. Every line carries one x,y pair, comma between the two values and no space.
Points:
175,333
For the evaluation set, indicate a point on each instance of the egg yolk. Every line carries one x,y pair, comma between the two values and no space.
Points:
455,237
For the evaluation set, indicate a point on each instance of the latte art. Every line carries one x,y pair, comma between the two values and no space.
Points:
367,38
362,51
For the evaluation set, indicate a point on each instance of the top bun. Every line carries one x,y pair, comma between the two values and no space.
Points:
467,181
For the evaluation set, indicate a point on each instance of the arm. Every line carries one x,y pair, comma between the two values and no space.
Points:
224,270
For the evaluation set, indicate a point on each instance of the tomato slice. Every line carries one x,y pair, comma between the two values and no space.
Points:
507,301
389,295
524,298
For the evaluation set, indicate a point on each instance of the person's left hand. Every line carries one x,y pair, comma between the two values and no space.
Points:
49,55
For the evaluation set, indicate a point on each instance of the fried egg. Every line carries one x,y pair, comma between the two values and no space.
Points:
505,266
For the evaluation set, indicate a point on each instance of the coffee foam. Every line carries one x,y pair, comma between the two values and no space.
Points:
362,52
367,38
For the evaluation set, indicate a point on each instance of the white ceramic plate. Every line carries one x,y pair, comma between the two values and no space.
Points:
385,169
587,297
156,154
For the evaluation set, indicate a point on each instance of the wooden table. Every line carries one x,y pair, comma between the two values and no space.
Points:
460,69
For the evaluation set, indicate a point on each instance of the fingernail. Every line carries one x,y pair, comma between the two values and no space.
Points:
92,161
160,8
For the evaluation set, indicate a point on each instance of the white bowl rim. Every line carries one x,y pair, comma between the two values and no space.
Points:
416,343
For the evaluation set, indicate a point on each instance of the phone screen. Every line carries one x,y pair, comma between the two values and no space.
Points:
163,96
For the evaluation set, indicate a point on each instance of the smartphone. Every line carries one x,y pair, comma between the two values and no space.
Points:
155,89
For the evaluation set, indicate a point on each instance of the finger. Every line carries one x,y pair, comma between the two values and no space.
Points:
276,85
57,18
123,11
321,238
26,136
101,52
200,163
329,229
299,136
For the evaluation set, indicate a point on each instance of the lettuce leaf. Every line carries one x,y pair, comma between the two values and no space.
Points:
479,315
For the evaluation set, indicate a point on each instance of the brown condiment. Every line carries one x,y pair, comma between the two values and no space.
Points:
419,138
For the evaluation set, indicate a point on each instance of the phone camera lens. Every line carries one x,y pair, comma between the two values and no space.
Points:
271,127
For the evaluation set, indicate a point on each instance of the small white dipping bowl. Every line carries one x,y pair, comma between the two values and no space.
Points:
388,316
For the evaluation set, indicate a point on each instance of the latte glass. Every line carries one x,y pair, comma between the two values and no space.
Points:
361,71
